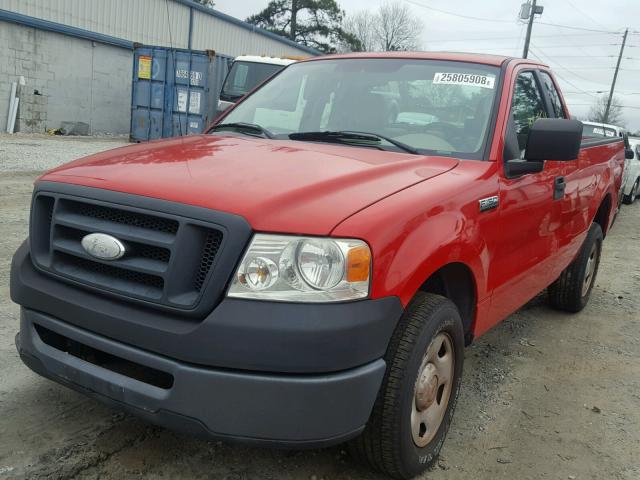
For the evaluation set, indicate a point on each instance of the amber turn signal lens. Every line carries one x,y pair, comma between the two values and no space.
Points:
358,264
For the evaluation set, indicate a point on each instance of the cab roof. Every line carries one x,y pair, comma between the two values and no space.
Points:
483,58
264,59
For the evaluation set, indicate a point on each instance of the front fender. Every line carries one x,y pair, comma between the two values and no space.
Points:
415,232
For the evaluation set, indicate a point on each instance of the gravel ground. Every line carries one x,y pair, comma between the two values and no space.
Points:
38,153
545,394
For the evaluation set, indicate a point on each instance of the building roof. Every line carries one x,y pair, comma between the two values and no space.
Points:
247,26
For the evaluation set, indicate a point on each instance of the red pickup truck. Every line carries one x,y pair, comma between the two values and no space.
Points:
309,271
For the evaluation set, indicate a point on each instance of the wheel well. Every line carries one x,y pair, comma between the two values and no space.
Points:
456,282
602,215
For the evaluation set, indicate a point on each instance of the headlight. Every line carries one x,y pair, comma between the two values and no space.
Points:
303,269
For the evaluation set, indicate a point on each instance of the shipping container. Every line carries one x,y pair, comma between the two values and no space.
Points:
175,91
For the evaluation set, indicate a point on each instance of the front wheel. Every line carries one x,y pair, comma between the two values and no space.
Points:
413,411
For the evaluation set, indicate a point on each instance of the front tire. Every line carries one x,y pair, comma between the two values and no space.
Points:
413,411
571,291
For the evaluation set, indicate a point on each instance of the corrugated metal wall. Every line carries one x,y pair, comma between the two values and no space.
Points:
233,40
145,21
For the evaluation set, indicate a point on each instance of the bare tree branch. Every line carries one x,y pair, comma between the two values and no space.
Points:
598,109
394,27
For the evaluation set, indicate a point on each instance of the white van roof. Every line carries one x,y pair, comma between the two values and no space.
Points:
260,59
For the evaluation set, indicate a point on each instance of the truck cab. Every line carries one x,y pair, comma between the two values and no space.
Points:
246,73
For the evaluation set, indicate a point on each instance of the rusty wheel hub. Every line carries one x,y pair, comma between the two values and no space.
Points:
432,389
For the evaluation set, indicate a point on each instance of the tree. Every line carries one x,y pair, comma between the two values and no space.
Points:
397,28
362,25
206,3
315,23
392,28
598,109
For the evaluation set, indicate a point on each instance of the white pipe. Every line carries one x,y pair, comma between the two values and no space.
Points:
12,100
13,115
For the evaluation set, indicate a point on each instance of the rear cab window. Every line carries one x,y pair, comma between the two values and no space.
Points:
552,95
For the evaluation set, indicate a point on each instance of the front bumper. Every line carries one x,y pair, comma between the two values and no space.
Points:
295,375
271,409
238,334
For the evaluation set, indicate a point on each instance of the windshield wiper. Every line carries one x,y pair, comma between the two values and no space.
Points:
246,128
353,137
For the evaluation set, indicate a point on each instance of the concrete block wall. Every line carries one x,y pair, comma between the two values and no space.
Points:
75,79
32,112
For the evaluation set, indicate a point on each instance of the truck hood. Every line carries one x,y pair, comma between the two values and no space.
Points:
276,185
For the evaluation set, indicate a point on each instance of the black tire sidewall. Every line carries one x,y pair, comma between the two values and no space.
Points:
445,319
594,236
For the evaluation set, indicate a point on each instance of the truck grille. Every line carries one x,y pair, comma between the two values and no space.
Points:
168,259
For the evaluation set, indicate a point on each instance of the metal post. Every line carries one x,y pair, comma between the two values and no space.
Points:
529,28
615,77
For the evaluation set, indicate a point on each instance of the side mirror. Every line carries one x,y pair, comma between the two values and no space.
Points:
554,139
628,154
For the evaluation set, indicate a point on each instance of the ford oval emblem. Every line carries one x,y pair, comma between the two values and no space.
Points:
103,246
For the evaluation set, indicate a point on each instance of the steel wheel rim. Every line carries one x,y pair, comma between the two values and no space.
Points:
432,389
634,190
589,270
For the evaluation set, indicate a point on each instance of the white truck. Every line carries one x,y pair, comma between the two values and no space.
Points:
631,188
246,73
631,173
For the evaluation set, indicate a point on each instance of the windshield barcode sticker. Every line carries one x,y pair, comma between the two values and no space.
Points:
471,79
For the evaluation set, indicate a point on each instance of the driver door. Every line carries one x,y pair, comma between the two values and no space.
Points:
530,208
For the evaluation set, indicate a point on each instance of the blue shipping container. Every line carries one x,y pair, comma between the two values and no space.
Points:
175,92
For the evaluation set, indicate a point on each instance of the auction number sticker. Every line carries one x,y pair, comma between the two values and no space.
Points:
471,79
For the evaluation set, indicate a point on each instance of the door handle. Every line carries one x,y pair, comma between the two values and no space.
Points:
559,186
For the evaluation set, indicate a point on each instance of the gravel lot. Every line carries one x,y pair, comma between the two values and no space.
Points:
545,395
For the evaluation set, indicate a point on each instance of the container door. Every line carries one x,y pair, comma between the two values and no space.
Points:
190,99
170,93
148,98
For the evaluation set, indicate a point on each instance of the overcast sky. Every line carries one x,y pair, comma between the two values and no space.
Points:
583,60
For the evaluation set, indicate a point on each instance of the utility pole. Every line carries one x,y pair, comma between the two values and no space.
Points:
615,77
529,11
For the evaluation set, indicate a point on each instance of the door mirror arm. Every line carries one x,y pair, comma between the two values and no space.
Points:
517,167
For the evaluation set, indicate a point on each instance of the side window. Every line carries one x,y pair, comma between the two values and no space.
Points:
527,106
554,97
240,78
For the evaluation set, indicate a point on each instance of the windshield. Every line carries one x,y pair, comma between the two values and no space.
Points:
435,107
597,131
244,77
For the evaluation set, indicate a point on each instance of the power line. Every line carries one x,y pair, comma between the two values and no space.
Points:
559,65
595,22
490,39
564,79
618,106
599,91
576,28
468,17
582,56
582,46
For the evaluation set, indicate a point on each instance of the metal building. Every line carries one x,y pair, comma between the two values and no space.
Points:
76,56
